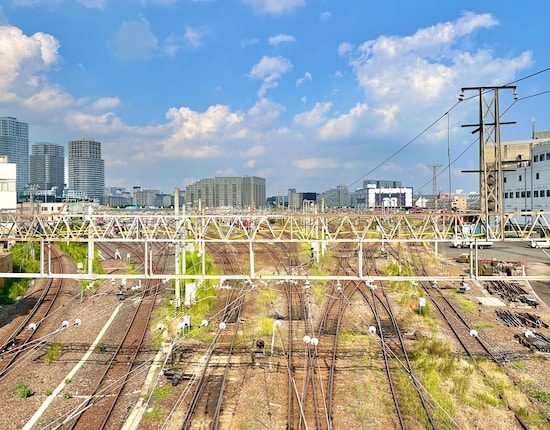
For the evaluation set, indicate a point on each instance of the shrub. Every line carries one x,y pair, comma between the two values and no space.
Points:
23,390
52,353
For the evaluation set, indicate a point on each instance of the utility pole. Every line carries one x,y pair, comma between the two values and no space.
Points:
434,182
491,191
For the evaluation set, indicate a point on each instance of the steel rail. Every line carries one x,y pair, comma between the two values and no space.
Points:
87,413
22,336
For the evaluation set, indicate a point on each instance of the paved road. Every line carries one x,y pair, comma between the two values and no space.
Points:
505,251
537,260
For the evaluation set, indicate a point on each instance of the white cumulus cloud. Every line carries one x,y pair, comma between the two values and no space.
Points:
270,69
316,163
313,117
346,124
306,77
106,103
274,7
281,38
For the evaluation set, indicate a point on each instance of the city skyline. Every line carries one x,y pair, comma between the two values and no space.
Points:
309,95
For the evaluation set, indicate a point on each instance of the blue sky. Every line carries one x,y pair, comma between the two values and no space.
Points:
309,94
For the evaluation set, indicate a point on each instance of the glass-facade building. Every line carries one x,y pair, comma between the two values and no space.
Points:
47,162
86,169
14,144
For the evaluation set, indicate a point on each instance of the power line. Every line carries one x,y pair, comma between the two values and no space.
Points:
404,146
401,149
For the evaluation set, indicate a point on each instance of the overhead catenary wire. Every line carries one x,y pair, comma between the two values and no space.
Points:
477,140
426,129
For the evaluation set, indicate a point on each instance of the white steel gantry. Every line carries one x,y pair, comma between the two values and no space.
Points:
318,231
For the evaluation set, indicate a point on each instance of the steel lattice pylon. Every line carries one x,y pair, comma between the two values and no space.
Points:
490,157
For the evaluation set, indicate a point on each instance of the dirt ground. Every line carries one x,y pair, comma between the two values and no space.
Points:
256,394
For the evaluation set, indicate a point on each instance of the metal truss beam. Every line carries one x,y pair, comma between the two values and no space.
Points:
252,232
426,227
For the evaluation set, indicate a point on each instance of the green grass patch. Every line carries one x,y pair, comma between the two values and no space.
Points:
53,353
466,305
25,260
488,399
357,338
483,325
268,298
78,251
23,391
161,393
437,368
535,419
205,300
153,414
541,395
266,326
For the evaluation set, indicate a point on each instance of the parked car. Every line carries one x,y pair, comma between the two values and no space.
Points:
470,243
544,244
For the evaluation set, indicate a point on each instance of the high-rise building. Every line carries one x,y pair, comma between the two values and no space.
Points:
227,192
338,197
47,162
86,169
14,143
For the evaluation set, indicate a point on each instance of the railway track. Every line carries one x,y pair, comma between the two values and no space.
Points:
203,411
310,350
473,346
201,401
99,409
392,344
30,335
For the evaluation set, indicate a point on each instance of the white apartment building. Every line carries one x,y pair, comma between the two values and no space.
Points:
8,193
526,181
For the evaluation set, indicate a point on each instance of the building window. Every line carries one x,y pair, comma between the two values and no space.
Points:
523,194
536,193
537,175
504,179
519,178
548,192
505,195
517,194
541,193
529,193
536,158
548,155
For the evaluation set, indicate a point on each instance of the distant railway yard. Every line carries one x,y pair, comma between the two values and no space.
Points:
298,352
